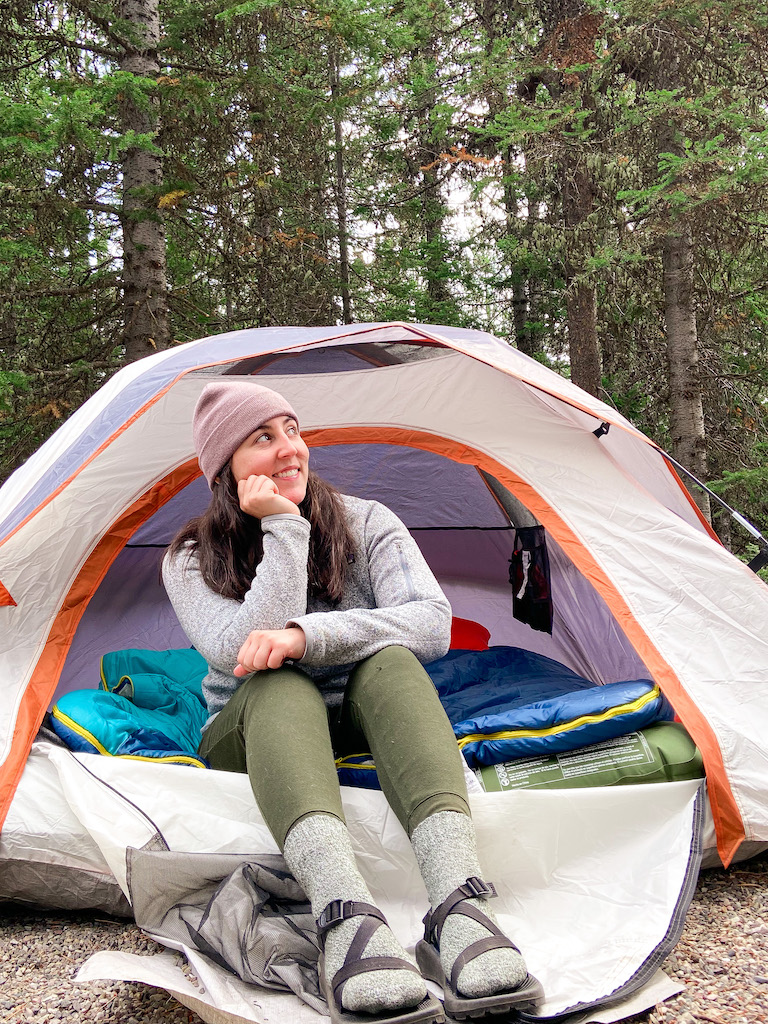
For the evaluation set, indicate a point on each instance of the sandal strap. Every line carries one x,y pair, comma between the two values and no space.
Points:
354,962
476,949
364,933
477,915
341,910
473,888
369,963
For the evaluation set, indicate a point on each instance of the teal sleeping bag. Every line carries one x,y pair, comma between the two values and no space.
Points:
149,706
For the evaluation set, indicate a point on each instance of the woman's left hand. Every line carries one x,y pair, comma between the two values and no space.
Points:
269,648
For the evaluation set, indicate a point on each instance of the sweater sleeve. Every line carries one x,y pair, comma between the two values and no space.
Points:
409,608
218,626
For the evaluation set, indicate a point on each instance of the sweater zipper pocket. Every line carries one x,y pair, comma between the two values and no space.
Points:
411,591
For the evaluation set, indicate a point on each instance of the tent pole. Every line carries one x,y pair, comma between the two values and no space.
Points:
761,558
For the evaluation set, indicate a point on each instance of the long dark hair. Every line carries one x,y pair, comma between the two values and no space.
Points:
228,542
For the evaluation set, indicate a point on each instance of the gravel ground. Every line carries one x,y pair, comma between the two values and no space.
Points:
722,958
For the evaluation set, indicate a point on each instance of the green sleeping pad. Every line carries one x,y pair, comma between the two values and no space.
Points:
662,752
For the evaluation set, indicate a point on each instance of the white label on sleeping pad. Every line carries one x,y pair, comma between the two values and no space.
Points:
621,752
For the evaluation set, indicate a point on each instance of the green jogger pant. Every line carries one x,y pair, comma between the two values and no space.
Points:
276,727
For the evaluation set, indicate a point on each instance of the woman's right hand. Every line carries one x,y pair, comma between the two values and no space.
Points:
269,648
259,496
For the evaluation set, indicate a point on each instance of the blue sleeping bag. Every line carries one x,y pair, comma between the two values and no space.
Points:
149,706
572,720
506,703
503,703
499,679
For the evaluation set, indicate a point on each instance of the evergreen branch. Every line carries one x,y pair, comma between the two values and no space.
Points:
72,368
38,199
205,71
61,41
103,23
429,186
747,378
45,293
761,287
202,232
186,301
97,207
31,63
100,266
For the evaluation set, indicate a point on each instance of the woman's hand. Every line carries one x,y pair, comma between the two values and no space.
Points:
259,496
269,648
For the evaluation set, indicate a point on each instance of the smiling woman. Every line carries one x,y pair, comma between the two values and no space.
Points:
271,467
314,610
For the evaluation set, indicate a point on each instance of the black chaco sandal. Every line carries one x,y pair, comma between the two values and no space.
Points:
528,993
428,1011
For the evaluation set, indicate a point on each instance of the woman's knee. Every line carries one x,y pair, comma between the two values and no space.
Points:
287,687
393,658
389,671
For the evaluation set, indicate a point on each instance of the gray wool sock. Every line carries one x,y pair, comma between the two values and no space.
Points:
446,851
319,854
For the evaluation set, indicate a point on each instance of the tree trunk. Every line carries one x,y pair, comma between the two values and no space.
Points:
520,314
433,222
517,221
425,164
522,284
686,414
434,235
580,297
144,277
582,338
569,32
722,524
341,191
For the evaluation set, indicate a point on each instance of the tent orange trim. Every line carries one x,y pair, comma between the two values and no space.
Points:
45,676
697,511
727,819
6,601
156,398
725,812
301,346
604,416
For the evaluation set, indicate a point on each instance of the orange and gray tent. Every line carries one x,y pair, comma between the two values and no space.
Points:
467,440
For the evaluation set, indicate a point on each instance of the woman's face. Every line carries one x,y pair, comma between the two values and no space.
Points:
275,450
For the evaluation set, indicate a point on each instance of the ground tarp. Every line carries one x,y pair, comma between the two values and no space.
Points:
593,884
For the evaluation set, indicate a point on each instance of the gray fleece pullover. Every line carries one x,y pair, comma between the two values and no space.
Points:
391,598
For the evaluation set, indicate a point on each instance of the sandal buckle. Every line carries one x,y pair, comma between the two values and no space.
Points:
332,914
430,933
480,889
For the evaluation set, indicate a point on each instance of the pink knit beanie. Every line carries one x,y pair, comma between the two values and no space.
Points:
226,413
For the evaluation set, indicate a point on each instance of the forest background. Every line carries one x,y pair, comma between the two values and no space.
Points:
586,179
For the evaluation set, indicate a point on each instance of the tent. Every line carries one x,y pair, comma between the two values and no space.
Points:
467,440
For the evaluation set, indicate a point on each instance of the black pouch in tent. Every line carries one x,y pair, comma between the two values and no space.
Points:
529,576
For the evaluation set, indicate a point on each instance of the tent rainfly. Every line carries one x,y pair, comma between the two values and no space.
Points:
466,439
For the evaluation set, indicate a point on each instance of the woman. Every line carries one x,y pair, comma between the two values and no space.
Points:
314,610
